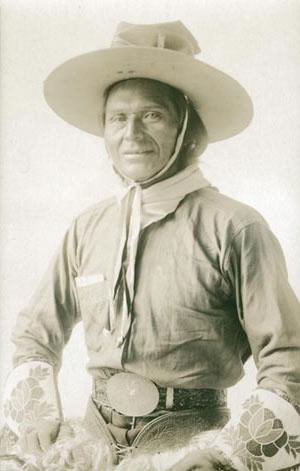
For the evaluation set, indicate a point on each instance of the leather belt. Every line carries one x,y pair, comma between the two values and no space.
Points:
170,399
124,421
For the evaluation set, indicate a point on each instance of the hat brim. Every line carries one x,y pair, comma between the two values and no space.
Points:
75,89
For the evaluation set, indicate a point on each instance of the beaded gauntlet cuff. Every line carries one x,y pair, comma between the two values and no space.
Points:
30,394
266,437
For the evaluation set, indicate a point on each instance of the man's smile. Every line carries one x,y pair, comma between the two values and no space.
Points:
136,155
137,152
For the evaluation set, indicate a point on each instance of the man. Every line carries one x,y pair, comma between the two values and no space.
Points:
176,284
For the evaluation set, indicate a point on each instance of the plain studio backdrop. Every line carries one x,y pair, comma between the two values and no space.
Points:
51,171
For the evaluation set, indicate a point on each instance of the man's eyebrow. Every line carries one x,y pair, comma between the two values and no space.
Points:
149,106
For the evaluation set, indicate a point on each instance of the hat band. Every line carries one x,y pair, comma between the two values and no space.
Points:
159,41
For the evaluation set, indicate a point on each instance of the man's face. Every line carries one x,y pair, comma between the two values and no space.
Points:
140,128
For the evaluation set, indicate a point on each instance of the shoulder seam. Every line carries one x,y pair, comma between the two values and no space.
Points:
94,208
235,236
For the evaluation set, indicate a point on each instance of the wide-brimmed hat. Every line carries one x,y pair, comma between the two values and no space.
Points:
164,52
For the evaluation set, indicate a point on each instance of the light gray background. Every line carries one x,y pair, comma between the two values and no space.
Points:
51,171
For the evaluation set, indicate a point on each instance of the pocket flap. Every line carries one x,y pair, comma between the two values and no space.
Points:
88,280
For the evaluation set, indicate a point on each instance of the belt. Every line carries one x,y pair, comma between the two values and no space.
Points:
117,419
170,399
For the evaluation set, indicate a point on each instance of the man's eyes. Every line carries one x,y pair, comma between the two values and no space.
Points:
152,116
118,118
147,116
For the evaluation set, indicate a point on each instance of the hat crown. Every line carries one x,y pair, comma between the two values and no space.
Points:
173,36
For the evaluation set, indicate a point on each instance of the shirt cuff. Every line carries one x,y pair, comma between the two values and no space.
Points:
30,394
266,437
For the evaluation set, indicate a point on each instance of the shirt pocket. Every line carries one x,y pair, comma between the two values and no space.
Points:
92,294
188,325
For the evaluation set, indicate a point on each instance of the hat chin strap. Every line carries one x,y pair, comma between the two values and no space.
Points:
170,162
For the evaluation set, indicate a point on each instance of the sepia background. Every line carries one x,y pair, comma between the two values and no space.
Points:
51,171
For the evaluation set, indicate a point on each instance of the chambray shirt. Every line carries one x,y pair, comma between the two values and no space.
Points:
211,287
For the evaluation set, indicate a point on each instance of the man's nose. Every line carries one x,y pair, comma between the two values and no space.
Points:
133,128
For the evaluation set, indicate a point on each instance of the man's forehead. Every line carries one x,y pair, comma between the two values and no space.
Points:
147,92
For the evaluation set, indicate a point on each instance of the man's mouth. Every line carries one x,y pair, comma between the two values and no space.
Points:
136,155
137,152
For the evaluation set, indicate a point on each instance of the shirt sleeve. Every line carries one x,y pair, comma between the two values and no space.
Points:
40,334
268,309
266,436
45,325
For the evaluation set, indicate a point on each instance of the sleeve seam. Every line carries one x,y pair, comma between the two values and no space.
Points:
230,243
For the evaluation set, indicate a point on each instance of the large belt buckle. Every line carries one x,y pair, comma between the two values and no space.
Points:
131,394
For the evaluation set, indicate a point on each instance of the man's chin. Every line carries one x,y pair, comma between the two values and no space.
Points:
135,174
